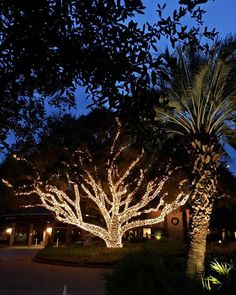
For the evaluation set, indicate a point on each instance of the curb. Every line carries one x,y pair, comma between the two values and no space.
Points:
73,264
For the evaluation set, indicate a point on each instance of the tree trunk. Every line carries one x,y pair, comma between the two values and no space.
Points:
201,204
114,237
199,223
114,242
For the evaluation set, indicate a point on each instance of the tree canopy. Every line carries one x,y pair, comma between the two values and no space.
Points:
49,47
117,181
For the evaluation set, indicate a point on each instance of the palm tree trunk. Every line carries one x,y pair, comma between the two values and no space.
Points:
199,223
201,204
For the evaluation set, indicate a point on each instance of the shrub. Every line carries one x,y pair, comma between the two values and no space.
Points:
220,277
148,273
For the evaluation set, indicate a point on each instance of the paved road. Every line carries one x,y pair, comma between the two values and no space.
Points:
19,275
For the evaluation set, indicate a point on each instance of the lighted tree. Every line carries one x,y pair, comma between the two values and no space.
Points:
121,193
203,97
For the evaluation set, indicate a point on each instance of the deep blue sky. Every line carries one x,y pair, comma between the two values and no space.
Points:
220,14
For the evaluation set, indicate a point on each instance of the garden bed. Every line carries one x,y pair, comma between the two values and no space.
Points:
98,254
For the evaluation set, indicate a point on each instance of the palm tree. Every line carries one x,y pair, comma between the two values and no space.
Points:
203,112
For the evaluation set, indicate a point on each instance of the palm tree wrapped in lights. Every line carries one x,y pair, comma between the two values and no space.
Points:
204,114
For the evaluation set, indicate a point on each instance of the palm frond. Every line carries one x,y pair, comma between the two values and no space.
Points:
205,102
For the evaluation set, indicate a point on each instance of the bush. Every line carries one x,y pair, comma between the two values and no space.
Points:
220,277
148,273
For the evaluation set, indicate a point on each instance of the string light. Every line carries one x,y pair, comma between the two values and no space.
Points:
119,205
6,182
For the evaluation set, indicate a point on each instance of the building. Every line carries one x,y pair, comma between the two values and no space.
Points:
37,226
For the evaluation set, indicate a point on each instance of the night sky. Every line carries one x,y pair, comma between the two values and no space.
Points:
220,14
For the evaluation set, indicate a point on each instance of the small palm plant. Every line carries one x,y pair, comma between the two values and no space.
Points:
222,276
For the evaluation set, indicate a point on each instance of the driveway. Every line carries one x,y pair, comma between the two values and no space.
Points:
19,275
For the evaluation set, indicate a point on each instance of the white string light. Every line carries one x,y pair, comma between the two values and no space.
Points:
119,205
6,182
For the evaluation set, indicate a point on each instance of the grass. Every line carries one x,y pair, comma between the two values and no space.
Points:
99,254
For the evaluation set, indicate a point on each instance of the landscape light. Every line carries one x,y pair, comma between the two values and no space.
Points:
158,235
9,231
49,230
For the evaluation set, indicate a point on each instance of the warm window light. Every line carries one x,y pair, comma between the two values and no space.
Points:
49,230
147,233
9,231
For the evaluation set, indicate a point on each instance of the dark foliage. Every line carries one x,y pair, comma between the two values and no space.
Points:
139,111
147,273
49,47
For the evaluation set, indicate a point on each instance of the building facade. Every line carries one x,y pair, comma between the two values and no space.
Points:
37,226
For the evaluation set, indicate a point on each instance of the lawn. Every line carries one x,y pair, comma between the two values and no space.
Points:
99,254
